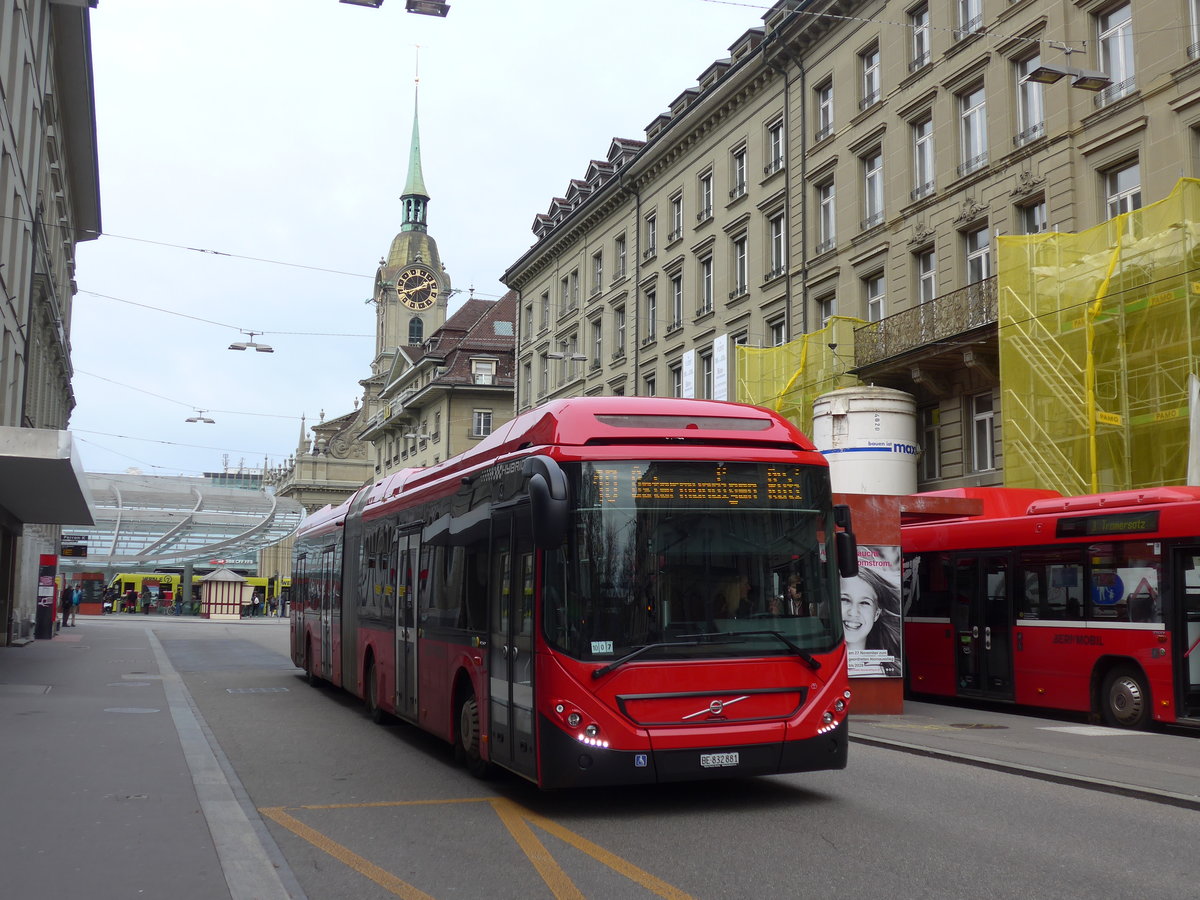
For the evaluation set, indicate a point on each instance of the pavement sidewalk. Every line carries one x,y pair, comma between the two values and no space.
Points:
1161,765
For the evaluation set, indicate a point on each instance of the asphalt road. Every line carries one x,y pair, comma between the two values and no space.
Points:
359,810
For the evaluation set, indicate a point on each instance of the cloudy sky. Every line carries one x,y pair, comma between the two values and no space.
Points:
252,153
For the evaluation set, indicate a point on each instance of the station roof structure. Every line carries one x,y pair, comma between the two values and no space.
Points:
145,522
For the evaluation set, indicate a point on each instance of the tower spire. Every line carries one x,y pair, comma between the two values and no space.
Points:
415,197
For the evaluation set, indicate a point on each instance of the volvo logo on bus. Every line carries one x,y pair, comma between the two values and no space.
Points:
714,709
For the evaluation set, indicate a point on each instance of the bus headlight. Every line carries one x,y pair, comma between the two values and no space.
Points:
592,730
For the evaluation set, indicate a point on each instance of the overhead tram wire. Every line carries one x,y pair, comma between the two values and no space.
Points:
230,412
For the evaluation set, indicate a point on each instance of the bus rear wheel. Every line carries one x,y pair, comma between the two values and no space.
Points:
310,674
468,738
1125,699
371,695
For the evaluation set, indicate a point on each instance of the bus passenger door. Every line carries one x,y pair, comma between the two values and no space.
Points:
1186,626
328,598
983,619
510,644
408,566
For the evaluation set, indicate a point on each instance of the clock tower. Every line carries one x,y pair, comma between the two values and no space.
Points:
411,285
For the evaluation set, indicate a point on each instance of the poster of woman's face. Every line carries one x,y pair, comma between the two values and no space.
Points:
871,613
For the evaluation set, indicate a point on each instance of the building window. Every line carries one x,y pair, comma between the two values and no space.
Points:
876,297
1031,116
676,218
676,302
741,273
869,63
983,431
619,252
826,308
824,111
1116,52
527,323
706,376
1194,15
543,373
651,236
651,316
564,295
706,286
1122,189
872,165
1032,217
650,386
527,382
777,241
483,371
597,342
481,422
738,173
970,18
676,374
918,23
929,418
777,332
597,272
923,159
774,147
706,198
926,275
618,332
826,218
972,107
416,330
979,257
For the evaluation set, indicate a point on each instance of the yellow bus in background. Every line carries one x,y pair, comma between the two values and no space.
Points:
159,590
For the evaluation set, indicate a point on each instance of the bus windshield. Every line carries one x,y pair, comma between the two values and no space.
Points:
693,559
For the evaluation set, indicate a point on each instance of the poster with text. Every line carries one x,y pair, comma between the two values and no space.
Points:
871,614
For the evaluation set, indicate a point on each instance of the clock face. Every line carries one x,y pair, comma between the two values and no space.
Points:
417,288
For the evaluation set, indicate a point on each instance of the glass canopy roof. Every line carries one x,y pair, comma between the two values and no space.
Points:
145,522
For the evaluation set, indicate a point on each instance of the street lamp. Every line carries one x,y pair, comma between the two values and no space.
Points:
373,3
427,7
201,417
246,345
574,357
1084,79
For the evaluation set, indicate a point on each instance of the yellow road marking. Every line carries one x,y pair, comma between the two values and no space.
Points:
556,879
364,867
614,862
516,819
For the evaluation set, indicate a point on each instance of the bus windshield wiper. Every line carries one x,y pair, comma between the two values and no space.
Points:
809,660
634,654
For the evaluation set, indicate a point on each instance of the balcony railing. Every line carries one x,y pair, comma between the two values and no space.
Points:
869,100
970,27
705,214
823,132
871,221
922,190
973,164
1032,133
825,246
1115,92
939,319
919,62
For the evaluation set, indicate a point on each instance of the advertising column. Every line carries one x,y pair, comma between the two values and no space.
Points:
47,599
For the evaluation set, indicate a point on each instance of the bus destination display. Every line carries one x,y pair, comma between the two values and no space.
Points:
702,483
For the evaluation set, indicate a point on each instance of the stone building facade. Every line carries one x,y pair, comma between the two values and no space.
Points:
49,201
858,159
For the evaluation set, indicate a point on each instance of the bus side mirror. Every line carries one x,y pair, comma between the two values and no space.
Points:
846,543
847,553
547,486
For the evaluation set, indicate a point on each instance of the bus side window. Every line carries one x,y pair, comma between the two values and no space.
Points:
926,585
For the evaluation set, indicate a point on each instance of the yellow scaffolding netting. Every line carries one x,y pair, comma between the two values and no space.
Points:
1098,334
790,377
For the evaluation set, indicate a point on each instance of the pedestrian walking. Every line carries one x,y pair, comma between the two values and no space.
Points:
66,598
76,596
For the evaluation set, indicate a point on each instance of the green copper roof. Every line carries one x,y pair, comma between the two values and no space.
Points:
415,186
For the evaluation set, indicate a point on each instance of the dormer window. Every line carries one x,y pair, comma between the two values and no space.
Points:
483,371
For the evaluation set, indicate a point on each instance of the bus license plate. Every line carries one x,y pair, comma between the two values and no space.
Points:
717,760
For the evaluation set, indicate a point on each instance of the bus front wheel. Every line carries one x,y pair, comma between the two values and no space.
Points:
467,744
1125,699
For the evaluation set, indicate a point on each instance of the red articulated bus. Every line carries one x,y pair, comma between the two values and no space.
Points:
1077,603
592,596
